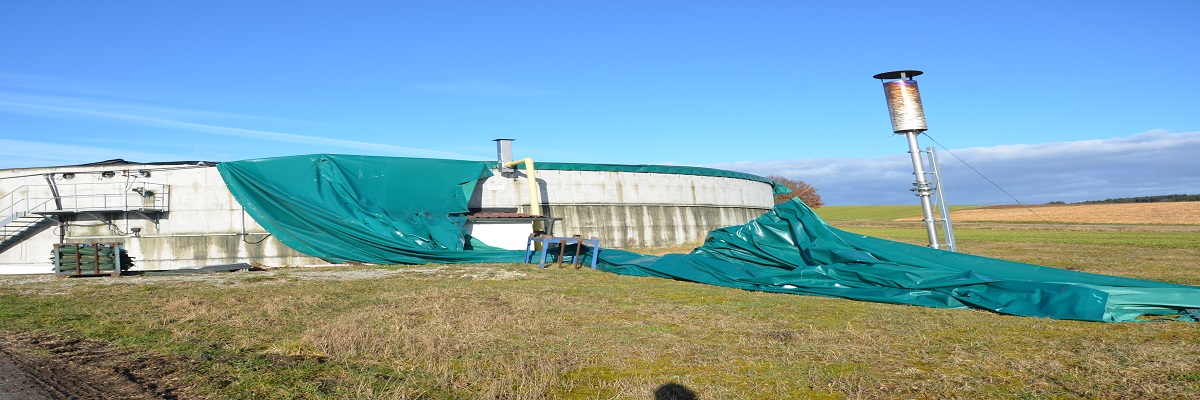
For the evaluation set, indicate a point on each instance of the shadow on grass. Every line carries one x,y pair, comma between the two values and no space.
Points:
674,391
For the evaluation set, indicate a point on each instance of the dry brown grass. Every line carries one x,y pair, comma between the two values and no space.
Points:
428,333
1176,213
505,331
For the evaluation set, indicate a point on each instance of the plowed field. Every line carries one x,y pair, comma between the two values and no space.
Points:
1176,213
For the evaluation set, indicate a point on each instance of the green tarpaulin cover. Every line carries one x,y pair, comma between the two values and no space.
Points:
406,210
382,210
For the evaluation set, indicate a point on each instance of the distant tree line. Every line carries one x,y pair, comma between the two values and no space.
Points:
1147,199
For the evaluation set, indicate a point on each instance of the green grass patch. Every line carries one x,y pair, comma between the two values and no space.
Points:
885,213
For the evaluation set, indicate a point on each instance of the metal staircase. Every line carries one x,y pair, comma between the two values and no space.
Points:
17,217
17,226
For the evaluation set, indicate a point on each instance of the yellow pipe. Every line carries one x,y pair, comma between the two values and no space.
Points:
535,201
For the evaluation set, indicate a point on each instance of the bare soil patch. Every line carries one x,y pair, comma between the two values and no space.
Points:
1174,213
36,366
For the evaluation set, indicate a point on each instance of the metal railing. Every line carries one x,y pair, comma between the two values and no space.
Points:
19,201
85,197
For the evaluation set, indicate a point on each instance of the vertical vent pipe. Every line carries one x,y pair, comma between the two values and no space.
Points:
504,155
507,165
908,119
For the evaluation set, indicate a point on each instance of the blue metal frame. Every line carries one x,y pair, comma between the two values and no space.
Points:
559,242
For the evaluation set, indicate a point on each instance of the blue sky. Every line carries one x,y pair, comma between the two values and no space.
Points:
1053,101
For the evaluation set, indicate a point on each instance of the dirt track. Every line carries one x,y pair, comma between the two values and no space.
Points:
38,367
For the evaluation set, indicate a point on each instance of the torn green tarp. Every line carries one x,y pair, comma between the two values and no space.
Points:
790,250
404,210
382,210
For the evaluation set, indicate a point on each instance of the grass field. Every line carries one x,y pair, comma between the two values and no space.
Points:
853,213
517,332
849,213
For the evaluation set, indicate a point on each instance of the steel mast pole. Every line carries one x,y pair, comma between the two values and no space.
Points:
922,188
908,119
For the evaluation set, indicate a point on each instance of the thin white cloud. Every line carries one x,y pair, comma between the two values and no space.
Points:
74,93
1146,164
34,104
479,88
1143,142
50,84
24,153
55,106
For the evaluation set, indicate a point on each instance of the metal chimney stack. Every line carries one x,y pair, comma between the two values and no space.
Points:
908,119
504,155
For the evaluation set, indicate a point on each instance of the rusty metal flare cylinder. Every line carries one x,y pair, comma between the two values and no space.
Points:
904,105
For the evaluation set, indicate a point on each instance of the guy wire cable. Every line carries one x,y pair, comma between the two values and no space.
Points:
1048,222
813,187
869,145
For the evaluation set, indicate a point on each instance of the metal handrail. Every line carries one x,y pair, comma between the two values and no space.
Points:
131,196
14,201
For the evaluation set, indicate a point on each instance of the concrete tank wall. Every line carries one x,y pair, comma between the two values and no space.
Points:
647,225
632,209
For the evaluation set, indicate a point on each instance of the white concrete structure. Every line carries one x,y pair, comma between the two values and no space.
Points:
630,209
172,216
191,219
512,234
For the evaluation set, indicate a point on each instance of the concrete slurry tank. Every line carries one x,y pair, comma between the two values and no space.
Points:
632,205
180,214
